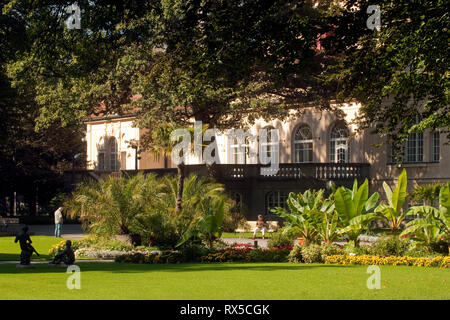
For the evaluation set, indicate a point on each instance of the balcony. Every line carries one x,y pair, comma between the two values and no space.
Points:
244,173
286,171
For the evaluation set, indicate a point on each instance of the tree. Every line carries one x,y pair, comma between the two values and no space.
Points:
221,62
355,209
399,72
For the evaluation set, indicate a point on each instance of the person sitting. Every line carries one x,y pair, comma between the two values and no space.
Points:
260,226
67,256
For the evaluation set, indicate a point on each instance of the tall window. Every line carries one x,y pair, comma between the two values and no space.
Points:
412,148
268,147
276,199
101,160
339,144
303,144
114,164
101,155
435,147
239,152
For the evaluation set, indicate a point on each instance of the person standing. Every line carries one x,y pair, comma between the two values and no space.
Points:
58,222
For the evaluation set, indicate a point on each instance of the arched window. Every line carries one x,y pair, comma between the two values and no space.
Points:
303,144
101,155
339,144
113,155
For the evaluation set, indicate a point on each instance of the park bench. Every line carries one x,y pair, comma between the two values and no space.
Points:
251,225
7,222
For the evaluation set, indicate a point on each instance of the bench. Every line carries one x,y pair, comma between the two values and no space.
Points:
251,225
6,222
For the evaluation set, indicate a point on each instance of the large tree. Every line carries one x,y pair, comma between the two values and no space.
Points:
218,61
400,71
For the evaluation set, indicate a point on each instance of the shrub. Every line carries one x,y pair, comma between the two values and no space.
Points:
390,246
440,247
419,250
360,250
295,255
233,221
247,255
168,256
329,249
281,238
312,253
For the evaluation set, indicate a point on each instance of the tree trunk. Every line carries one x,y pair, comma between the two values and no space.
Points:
180,185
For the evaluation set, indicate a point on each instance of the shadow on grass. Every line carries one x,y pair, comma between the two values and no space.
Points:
16,257
112,267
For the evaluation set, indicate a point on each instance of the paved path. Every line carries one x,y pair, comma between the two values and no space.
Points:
68,231
261,243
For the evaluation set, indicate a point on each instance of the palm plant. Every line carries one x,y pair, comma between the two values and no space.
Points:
435,223
158,142
109,207
393,213
355,209
208,226
307,212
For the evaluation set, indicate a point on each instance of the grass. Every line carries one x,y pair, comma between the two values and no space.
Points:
245,235
10,251
279,281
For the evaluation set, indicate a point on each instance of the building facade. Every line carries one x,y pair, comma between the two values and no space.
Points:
315,148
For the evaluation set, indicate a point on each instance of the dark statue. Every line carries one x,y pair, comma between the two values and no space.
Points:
25,245
67,256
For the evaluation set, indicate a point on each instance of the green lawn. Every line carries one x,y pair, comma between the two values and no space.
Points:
11,251
223,281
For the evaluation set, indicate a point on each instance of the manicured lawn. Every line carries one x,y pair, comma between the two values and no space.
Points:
224,281
11,251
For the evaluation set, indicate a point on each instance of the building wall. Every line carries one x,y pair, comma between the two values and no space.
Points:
361,150
98,138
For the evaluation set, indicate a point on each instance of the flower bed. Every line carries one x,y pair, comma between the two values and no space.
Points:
441,261
169,256
248,255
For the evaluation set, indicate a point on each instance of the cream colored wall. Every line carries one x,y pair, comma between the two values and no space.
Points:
122,130
361,146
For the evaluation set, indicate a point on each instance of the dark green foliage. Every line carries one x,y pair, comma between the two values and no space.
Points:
390,246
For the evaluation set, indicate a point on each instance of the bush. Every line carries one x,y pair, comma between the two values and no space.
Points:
329,249
295,255
247,255
440,247
361,250
390,246
233,221
419,250
311,253
168,256
193,253
281,238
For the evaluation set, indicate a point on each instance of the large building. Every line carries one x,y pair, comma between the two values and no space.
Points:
314,148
